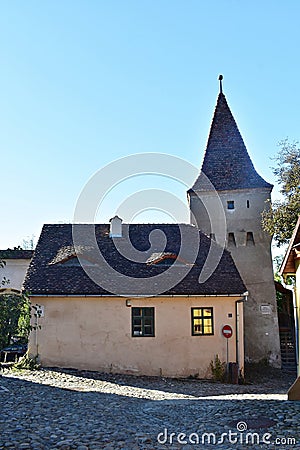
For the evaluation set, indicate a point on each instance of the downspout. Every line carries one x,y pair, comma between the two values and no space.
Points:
237,323
292,290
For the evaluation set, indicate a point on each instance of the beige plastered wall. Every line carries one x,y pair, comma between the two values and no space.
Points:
94,333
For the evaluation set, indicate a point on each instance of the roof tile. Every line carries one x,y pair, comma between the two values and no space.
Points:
226,162
48,274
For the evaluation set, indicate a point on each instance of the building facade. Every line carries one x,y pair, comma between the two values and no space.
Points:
110,327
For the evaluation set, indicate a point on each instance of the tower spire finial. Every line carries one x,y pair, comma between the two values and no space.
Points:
220,79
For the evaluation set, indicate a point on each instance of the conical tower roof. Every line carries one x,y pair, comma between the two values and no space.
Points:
226,162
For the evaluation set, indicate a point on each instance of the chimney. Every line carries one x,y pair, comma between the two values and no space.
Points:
115,227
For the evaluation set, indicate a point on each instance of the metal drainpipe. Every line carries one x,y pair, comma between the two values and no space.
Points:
292,290
237,321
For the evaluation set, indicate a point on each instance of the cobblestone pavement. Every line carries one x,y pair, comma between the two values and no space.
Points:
67,409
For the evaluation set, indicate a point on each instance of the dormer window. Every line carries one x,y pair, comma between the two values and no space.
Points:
165,259
73,261
230,204
68,256
164,262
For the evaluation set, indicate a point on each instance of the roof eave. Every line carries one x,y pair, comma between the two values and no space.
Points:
288,253
244,294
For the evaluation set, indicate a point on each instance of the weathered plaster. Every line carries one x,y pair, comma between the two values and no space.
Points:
95,333
254,263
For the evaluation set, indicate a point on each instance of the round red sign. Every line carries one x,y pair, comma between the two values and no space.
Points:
227,331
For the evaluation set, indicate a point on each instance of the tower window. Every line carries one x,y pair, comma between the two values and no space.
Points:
250,238
231,240
248,204
230,204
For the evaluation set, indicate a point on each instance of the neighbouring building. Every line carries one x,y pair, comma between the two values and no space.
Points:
291,267
228,176
16,262
94,320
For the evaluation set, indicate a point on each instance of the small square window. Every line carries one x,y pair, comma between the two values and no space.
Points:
230,204
202,321
142,322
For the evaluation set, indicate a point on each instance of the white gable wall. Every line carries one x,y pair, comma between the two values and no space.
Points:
14,271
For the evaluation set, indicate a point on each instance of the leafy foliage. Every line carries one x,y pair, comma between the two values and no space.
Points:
14,318
290,280
15,310
218,369
4,280
27,363
277,262
280,219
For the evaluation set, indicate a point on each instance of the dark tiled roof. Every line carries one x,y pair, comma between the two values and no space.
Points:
226,161
16,254
49,272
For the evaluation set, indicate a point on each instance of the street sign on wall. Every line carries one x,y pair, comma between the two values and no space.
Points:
227,331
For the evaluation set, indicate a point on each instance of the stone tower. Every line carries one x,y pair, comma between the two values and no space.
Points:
228,174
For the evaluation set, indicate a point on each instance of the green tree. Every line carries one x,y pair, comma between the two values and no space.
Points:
14,318
14,315
280,297
280,219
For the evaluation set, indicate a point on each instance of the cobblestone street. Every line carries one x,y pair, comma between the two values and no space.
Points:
55,409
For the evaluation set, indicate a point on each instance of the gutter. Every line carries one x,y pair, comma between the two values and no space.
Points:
237,323
138,296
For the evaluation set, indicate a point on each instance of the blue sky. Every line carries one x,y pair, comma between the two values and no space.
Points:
86,82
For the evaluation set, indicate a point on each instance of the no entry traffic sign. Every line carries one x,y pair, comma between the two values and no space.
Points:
227,331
